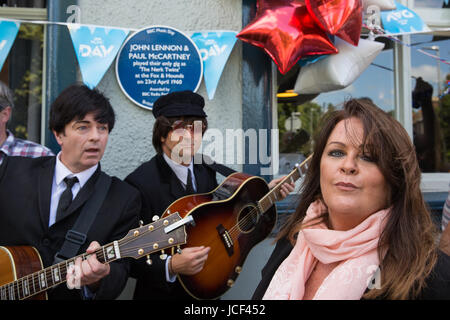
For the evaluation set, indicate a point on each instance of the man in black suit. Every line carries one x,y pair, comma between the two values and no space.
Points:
171,174
41,198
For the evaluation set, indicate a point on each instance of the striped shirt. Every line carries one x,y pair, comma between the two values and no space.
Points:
23,148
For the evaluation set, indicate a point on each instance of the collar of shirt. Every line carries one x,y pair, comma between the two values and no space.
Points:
180,170
61,171
7,146
58,187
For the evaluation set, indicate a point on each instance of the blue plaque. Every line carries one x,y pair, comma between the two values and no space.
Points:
155,61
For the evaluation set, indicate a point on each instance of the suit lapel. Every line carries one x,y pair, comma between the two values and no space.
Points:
83,195
46,174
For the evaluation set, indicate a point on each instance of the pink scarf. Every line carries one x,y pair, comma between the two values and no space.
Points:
356,248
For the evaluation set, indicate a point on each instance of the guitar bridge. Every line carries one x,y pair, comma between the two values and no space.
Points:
226,239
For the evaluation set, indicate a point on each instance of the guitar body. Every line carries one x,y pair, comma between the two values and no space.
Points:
17,262
228,221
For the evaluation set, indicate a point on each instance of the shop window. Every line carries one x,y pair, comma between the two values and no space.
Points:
23,69
431,104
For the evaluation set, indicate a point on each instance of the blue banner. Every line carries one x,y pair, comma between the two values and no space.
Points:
215,48
8,33
402,21
95,48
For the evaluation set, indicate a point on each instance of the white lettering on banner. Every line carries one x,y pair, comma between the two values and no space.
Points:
99,51
398,15
214,50
2,44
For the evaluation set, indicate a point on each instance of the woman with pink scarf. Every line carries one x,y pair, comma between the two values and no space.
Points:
361,229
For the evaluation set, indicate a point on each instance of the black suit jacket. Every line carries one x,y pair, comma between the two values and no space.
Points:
160,187
438,283
25,192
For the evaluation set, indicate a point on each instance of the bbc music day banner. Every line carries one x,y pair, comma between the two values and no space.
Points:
95,48
402,20
215,47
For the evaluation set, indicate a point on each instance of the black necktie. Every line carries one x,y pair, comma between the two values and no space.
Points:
66,196
189,188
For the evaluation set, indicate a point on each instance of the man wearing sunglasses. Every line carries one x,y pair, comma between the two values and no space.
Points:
173,173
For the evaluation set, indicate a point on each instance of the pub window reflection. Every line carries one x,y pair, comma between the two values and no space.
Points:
299,114
431,104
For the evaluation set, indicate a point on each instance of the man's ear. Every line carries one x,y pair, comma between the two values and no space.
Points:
58,136
5,114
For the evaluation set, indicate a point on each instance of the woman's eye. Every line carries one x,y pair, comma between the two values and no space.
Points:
367,157
336,153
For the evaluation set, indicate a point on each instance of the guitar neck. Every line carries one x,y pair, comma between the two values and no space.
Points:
54,275
138,242
274,195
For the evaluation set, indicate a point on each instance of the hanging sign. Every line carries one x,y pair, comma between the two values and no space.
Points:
402,21
155,61
96,48
215,47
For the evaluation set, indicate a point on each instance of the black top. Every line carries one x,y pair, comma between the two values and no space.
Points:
25,197
438,283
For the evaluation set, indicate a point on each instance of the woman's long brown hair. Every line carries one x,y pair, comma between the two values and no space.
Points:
409,235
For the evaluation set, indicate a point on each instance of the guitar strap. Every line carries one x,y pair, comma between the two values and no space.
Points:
76,237
217,167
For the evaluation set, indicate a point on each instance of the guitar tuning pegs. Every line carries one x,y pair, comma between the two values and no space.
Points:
178,249
149,261
141,223
155,218
163,256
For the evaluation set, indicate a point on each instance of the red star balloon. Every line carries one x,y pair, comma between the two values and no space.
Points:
286,32
342,18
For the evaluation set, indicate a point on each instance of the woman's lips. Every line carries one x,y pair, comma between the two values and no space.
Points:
347,186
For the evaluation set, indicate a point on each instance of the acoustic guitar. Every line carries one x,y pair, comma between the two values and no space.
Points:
230,220
22,275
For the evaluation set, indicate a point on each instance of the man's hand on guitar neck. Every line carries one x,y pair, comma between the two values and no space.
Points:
90,271
285,189
189,262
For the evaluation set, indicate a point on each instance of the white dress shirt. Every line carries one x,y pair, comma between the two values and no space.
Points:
58,186
181,171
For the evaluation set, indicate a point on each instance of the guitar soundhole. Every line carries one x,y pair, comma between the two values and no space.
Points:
248,218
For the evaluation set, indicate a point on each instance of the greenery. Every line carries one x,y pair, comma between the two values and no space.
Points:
299,141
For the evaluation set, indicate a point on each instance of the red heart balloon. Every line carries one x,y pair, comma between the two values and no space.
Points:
286,32
342,18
